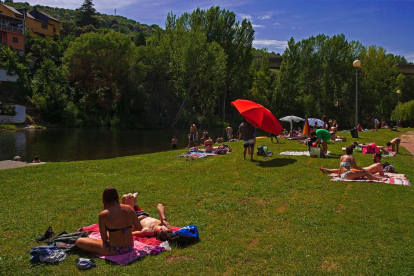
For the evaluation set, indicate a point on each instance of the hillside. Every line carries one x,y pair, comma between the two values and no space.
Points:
68,18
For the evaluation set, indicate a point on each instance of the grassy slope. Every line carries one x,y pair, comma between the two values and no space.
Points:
280,216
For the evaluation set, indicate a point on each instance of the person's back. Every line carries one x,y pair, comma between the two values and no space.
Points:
247,131
118,219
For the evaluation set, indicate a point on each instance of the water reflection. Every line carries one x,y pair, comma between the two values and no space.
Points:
56,145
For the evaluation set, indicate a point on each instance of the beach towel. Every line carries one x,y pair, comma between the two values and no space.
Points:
394,179
140,250
297,153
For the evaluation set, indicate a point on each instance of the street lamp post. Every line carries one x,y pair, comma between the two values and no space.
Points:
398,106
356,64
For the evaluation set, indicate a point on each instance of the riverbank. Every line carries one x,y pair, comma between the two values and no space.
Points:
274,216
4,127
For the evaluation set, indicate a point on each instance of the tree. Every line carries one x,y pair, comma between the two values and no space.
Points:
234,38
98,64
86,15
50,91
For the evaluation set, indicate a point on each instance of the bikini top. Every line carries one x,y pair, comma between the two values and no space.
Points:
345,164
125,229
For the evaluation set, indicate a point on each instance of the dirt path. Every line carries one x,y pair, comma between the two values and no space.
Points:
15,164
407,141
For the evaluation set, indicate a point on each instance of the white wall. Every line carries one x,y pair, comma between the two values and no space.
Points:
5,77
19,118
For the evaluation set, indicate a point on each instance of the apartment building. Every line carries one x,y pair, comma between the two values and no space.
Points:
40,23
11,27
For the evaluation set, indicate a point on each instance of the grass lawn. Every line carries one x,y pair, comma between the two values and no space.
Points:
280,216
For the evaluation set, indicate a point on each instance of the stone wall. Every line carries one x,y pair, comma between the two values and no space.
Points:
19,118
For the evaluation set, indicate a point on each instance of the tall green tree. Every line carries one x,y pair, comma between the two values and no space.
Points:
98,64
87,15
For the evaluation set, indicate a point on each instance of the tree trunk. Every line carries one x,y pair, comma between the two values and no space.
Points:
180,111
107,118
224,105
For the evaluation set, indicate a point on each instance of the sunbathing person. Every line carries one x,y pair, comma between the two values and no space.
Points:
219,140
115,226
347,162
148,226
208,145
377,167
394,143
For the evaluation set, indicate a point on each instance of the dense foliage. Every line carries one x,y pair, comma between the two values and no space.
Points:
105,71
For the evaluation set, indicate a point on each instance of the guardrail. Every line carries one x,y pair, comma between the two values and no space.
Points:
11,29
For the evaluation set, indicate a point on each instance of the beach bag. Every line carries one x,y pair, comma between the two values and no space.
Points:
67,241
262,150
366,149
389,169
315,151
185,236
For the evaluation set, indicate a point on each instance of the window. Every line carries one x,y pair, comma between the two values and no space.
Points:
54,29
44,26
15,39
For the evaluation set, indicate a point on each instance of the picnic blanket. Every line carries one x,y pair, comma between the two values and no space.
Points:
394,179
196,154
297,153
142,246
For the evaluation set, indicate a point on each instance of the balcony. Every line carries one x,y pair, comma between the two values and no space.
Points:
3,42
12,29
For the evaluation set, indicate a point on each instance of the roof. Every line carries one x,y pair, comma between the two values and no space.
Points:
12,9
27,13
51,17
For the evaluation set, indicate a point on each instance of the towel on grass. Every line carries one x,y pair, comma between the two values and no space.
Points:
140,250
297,153
142,246
391,181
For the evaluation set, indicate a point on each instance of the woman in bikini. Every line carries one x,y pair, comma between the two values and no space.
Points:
347,162
115,226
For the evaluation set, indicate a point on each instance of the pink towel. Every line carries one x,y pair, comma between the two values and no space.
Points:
140,251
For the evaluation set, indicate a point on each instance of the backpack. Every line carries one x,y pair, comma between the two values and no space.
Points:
185,236
262,150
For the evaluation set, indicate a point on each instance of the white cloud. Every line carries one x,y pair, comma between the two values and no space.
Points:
258,26
263,17
271,44
277,24
248,17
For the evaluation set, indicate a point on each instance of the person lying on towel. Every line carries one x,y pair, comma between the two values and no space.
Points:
347,162
149,227
377,167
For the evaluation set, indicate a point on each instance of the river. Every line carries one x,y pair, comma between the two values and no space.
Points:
62,145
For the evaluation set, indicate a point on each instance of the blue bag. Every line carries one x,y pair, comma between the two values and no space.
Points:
185,236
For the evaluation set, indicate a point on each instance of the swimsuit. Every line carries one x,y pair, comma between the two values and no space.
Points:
123,250
174,146
139,212
344,175
344,164
125,229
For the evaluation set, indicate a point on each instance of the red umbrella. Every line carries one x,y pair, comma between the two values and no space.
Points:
258,115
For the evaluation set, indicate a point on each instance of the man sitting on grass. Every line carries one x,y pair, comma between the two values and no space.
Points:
151,227
374,168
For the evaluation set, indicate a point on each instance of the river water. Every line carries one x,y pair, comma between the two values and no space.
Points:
60,145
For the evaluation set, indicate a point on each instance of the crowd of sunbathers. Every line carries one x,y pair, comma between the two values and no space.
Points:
349,170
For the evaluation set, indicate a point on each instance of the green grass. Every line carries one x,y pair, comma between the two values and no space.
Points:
275,217
8,127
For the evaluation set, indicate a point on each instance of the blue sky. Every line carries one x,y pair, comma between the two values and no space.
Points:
385,23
